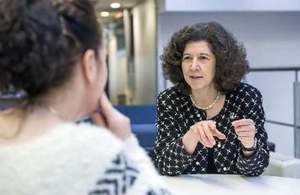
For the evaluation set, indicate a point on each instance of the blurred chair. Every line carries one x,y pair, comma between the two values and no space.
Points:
282,165
142,119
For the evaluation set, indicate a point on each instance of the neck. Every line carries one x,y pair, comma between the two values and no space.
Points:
63,103
204,97
66,107
45,113
68,102
25,124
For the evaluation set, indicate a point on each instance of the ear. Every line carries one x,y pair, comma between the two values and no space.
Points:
89,66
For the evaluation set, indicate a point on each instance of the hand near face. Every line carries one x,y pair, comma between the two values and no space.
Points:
245,130
112,119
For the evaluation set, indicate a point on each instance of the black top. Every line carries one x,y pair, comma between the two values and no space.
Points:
211,168
176,114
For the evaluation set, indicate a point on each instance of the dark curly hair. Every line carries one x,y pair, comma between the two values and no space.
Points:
40,41
231,63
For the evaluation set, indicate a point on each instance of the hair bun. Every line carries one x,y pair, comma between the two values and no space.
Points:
28,30
40,41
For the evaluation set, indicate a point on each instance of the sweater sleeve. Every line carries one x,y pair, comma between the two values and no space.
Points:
170,155
131,172
255,164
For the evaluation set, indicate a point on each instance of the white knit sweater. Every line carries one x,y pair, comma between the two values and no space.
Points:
77,160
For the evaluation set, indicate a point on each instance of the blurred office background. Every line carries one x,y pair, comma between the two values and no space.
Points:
137,30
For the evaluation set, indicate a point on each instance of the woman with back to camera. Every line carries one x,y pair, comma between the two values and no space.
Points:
53,51
209,122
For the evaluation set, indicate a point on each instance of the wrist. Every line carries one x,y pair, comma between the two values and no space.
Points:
189,142
250,148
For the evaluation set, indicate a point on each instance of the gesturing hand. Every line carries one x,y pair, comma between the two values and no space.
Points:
206,131
245,130
203,132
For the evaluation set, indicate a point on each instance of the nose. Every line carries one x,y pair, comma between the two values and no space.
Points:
195,64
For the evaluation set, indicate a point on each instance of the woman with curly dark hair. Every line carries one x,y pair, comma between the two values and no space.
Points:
209,121
52,50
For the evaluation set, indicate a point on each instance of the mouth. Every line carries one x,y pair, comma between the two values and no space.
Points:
196,77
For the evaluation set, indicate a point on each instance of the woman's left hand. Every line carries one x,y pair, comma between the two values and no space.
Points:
245,130
112,119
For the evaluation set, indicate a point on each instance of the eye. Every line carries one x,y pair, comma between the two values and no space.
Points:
203,58
186,58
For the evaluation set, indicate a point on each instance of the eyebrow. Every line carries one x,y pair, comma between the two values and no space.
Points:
201,54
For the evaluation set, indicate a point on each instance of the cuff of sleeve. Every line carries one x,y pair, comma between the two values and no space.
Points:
253,158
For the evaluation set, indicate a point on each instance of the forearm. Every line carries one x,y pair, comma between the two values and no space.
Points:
173,159
256,163
189,142
137,166
137,154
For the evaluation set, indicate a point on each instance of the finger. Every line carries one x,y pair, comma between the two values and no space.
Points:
215,131
208,134
106,106
197,128
247,141
99,119
243,122
246,134
246,138
203,139
244,128
212,124
219,135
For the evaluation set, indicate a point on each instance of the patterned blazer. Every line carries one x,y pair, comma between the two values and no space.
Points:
176,114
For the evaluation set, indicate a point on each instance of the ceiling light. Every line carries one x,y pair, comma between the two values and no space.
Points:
115,5
104,14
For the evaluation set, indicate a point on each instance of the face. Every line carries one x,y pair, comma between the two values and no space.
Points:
198,65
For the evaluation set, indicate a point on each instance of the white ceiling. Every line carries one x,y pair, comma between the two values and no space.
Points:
104,5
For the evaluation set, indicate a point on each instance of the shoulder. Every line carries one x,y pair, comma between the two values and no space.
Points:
246,91
247,98
167,93
172,99
95,133
86,137
172,94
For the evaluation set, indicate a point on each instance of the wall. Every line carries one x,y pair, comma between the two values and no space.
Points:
278,97
271,39
112,66
228,5
117,69
144,34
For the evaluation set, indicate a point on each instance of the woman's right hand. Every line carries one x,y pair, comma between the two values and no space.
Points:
203,132
112,119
